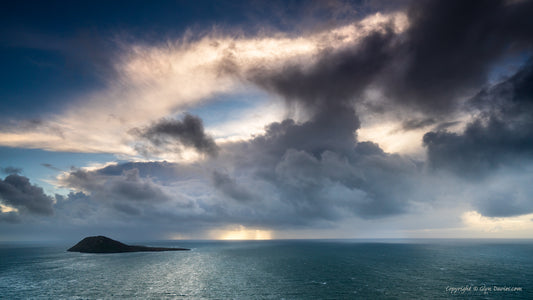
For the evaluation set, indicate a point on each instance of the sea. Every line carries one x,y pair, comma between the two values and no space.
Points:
274,269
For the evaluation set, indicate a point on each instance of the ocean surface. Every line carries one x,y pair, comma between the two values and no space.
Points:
278,269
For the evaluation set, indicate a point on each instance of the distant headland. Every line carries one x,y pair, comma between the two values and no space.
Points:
102,244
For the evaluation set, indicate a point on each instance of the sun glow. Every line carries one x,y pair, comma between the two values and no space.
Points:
505,227
243,233
392,140
6,209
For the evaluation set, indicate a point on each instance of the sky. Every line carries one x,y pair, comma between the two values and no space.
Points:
266,119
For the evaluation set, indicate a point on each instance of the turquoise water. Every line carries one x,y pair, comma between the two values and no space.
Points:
344,269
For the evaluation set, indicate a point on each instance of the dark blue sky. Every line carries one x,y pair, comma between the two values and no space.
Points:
55,50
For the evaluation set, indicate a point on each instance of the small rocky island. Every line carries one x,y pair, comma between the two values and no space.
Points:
102,244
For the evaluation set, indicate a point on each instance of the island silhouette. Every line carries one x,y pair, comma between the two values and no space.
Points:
102,244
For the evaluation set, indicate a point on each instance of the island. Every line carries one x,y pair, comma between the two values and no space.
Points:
102,244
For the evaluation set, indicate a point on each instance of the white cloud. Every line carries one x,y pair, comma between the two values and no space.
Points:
160,81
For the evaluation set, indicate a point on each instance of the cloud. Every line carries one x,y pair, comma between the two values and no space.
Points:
446,125
497,227
319,172
317,169
155,169
152,82
412,55
308,172
187,132
76,208
500,135
311,172
274,181
413,124
17,191
228,186
51,167
309,168
504,192
10,217
450,48
11,170
126,187
335,78
505,205
495,150
429,67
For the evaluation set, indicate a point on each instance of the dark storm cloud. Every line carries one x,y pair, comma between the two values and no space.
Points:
413,124
451,46
111,197
11,170
10,217
335,79
71,197
319,172
511,98
152,192
318,169
126,187
275,182
446,125
188,132
18,192
127,209
76,206
501,134
315,172
506,204
328,130
228,186
446,53
161,170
